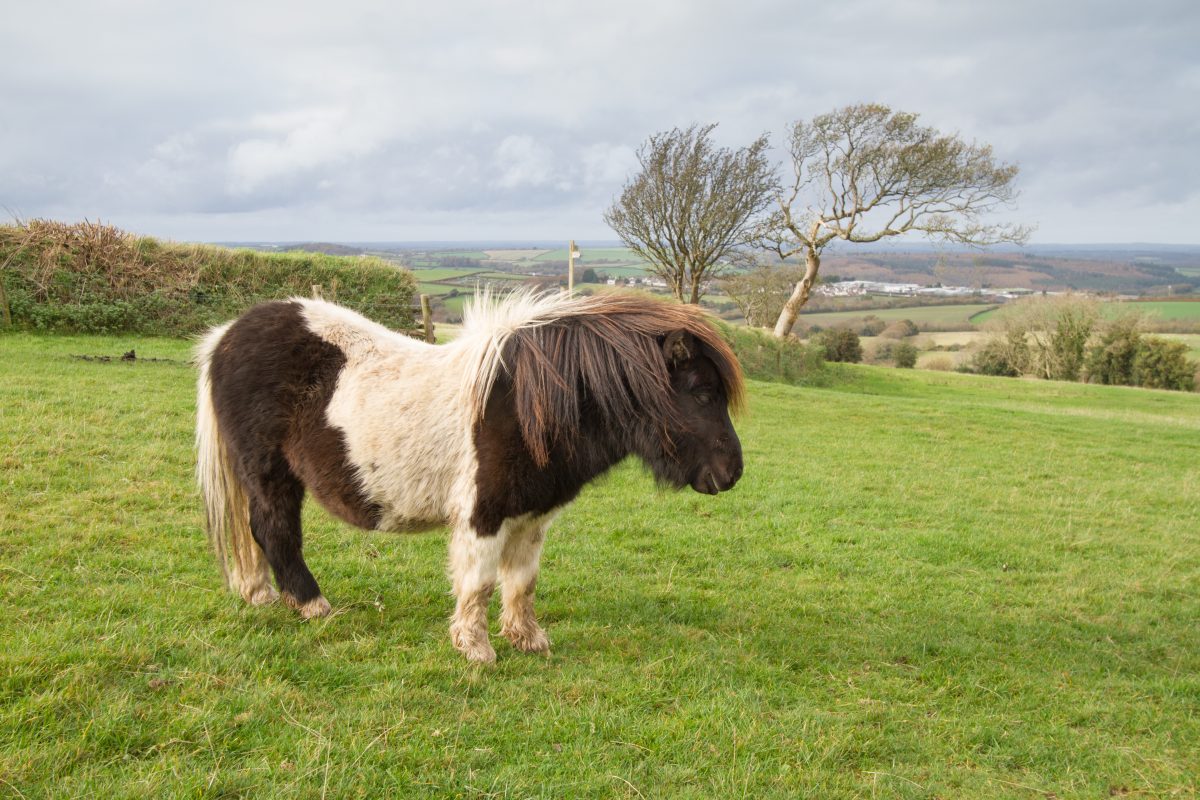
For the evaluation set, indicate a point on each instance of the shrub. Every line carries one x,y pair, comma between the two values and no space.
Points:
763,357
1163,364
878,351
1111,360
94,278
905,354
1003,356
1047,336
940,364
871,326
900,329
840,344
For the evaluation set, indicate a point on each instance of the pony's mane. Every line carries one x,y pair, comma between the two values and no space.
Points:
558,349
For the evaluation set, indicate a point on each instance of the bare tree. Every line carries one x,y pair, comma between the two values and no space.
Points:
760,293
865,172
691,209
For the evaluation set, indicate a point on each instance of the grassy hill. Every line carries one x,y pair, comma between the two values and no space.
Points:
926,585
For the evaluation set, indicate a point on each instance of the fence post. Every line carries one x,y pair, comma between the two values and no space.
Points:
4,309
427,318
317,293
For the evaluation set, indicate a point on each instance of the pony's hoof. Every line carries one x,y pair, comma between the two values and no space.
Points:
529,640
475,648
261,595
317,607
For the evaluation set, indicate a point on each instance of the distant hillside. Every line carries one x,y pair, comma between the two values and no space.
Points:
1120,273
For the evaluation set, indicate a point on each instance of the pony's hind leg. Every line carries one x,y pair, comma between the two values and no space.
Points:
518,579
275,503
474,568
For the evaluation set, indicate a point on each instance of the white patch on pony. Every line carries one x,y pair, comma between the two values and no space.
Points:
519,563
407,409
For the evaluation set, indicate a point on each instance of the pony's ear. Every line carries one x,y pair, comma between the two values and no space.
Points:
678,346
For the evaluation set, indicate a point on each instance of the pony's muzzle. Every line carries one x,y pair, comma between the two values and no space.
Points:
717,478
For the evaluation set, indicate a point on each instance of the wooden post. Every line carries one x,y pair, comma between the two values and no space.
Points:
333,289
317,293
427,318
571,267
4,309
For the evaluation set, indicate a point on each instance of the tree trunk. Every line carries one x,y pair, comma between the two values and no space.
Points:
791,309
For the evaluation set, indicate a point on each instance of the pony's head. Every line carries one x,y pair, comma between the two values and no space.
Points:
626,373
701,449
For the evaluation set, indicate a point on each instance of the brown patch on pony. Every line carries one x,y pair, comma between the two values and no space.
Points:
273,379
609,350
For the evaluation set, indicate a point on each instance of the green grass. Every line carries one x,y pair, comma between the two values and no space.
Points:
589,255
941,315
1167,310
429,274
926,585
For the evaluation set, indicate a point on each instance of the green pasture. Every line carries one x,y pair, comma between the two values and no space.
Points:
588,255
927,585
1192,340
941,315
427,275
623,272
1166,310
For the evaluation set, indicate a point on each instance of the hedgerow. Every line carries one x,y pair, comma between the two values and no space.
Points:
92,278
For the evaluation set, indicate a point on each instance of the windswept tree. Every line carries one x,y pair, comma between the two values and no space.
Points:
692,209
864,173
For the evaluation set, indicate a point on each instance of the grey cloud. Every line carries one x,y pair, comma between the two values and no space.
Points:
481,117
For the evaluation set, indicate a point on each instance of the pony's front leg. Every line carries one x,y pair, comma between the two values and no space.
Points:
474,565
518,579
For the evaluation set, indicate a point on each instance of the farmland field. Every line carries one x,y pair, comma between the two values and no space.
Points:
619,255
441,274
1154,309
926,585
941,315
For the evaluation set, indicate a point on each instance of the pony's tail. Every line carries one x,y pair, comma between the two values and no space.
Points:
226,510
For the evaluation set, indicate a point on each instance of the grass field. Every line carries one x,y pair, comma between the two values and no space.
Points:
1155,309
441,274
621,255
941,315
926,585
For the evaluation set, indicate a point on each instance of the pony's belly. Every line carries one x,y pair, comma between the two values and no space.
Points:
397,524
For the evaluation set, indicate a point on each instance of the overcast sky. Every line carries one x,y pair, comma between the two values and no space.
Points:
353,121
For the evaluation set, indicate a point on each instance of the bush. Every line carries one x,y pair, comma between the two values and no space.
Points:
1001,356
1163,364
871,326
1111,360
765,358
905,355
900,329
94,278
840,344
942,364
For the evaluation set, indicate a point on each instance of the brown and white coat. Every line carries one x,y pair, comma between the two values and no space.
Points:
491,434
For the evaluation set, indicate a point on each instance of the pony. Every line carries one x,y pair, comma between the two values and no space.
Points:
491,434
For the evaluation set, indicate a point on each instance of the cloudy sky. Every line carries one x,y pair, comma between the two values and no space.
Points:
360,121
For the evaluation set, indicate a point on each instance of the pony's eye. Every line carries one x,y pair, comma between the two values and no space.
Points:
703,398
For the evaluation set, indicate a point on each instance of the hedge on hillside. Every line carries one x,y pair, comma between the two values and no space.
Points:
765,358
93,278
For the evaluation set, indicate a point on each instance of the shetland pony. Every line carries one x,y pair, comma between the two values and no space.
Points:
492,434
